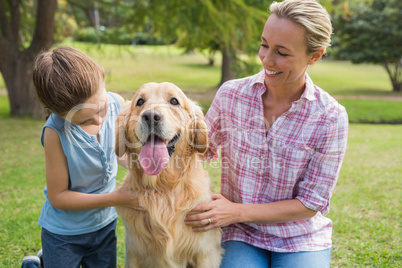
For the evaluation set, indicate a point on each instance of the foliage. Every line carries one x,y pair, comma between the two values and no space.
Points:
144,38
229,26
115,35
103,21
65,24
215,24
246,66
372,33
95,13
86,34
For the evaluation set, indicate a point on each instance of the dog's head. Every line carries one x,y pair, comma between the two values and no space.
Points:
160,123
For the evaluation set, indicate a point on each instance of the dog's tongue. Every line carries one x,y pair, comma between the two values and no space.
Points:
154,156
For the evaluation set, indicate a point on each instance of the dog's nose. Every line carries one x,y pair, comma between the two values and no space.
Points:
152,117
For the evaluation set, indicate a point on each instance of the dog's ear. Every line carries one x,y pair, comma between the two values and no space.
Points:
121,146
199,129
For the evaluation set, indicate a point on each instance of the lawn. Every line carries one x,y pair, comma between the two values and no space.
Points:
365,206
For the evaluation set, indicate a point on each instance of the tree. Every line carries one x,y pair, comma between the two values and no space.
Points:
372,33
16,61
228,26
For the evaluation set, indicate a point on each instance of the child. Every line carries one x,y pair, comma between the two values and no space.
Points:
78,218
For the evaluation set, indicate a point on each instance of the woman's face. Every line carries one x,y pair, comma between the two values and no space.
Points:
283,53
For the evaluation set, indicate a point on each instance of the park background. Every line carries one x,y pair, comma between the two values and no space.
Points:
198,45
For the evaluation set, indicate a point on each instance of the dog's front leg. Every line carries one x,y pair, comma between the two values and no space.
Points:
131,258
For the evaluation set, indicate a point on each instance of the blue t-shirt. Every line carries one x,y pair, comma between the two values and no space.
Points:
92,168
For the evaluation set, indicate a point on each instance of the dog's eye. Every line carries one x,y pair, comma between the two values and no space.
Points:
174,101
140,102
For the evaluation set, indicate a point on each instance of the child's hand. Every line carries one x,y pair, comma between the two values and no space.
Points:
126,197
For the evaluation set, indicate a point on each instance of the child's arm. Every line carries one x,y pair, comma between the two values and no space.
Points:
57,183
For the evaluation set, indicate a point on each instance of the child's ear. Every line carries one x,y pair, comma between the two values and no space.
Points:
121,147
199,130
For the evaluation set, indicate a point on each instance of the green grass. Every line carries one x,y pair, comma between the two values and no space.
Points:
373,111
344,78
365,206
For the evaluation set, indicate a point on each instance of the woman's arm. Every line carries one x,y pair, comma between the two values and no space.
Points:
314,191
57,183
222,212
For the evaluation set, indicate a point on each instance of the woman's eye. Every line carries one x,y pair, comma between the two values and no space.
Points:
282,54
140,102
174,101
263,45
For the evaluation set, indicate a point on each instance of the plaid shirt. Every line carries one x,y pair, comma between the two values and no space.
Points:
299,158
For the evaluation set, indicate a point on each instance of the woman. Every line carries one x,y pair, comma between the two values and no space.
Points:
282,143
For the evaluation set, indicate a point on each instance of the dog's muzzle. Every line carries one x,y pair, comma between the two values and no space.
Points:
156,148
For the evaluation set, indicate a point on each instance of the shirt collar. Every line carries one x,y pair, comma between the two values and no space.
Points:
309,91
258,82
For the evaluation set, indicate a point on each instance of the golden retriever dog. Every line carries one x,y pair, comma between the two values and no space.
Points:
163,134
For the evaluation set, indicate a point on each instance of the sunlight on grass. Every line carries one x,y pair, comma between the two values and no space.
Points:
345,78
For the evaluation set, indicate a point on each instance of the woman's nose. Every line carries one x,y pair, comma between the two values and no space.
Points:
268,59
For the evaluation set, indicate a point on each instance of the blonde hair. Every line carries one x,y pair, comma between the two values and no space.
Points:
312,16
64,78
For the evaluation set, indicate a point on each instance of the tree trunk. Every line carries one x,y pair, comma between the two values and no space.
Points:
394,70
227,62
15,64
397,87
20,88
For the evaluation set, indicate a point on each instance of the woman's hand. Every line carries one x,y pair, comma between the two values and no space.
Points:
217,213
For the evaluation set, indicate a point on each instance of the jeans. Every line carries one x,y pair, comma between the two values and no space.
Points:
242,255
93,250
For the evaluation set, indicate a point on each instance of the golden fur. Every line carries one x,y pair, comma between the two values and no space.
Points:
157,236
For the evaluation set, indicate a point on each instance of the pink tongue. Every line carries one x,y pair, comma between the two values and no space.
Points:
154,156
